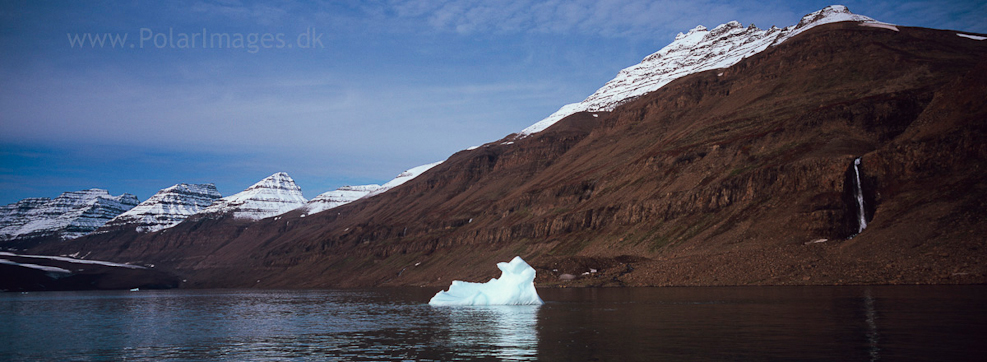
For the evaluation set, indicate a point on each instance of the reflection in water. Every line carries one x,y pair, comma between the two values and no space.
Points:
510,331
947,323
872,336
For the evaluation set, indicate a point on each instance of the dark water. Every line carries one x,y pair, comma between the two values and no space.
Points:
941,323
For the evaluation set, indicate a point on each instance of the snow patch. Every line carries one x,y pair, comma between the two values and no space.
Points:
50,269
71,260
974,37
516,286
880,25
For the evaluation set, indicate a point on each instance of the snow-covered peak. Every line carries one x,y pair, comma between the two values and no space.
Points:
70,215
280,181
698,50
168,207
829,14
272,196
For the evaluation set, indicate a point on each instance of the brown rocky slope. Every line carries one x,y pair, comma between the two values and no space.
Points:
727,177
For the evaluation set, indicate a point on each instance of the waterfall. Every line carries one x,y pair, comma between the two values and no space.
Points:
862,216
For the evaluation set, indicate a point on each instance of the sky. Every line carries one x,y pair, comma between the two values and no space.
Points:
334,93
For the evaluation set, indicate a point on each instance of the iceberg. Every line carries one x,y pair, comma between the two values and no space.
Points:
516,286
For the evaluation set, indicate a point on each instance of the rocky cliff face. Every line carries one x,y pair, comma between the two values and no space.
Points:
167,207
68,216
732,176
272,196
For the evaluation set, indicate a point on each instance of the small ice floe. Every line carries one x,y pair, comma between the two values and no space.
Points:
974,37
516,286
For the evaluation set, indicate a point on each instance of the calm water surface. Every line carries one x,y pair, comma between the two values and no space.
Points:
933,323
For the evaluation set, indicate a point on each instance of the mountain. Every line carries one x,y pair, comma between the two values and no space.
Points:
68,216
759,173
348,194
167,207
404,177
272,196
337,197
696,51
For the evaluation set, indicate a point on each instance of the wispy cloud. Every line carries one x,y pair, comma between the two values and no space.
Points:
584,17
629,18
259,13
956,15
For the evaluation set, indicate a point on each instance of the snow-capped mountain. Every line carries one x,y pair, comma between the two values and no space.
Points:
168,207
338,197
696,51
272,196
70,215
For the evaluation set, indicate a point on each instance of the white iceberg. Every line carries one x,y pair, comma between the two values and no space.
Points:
516,286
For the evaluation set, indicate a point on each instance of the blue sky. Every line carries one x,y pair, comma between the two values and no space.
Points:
334,93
